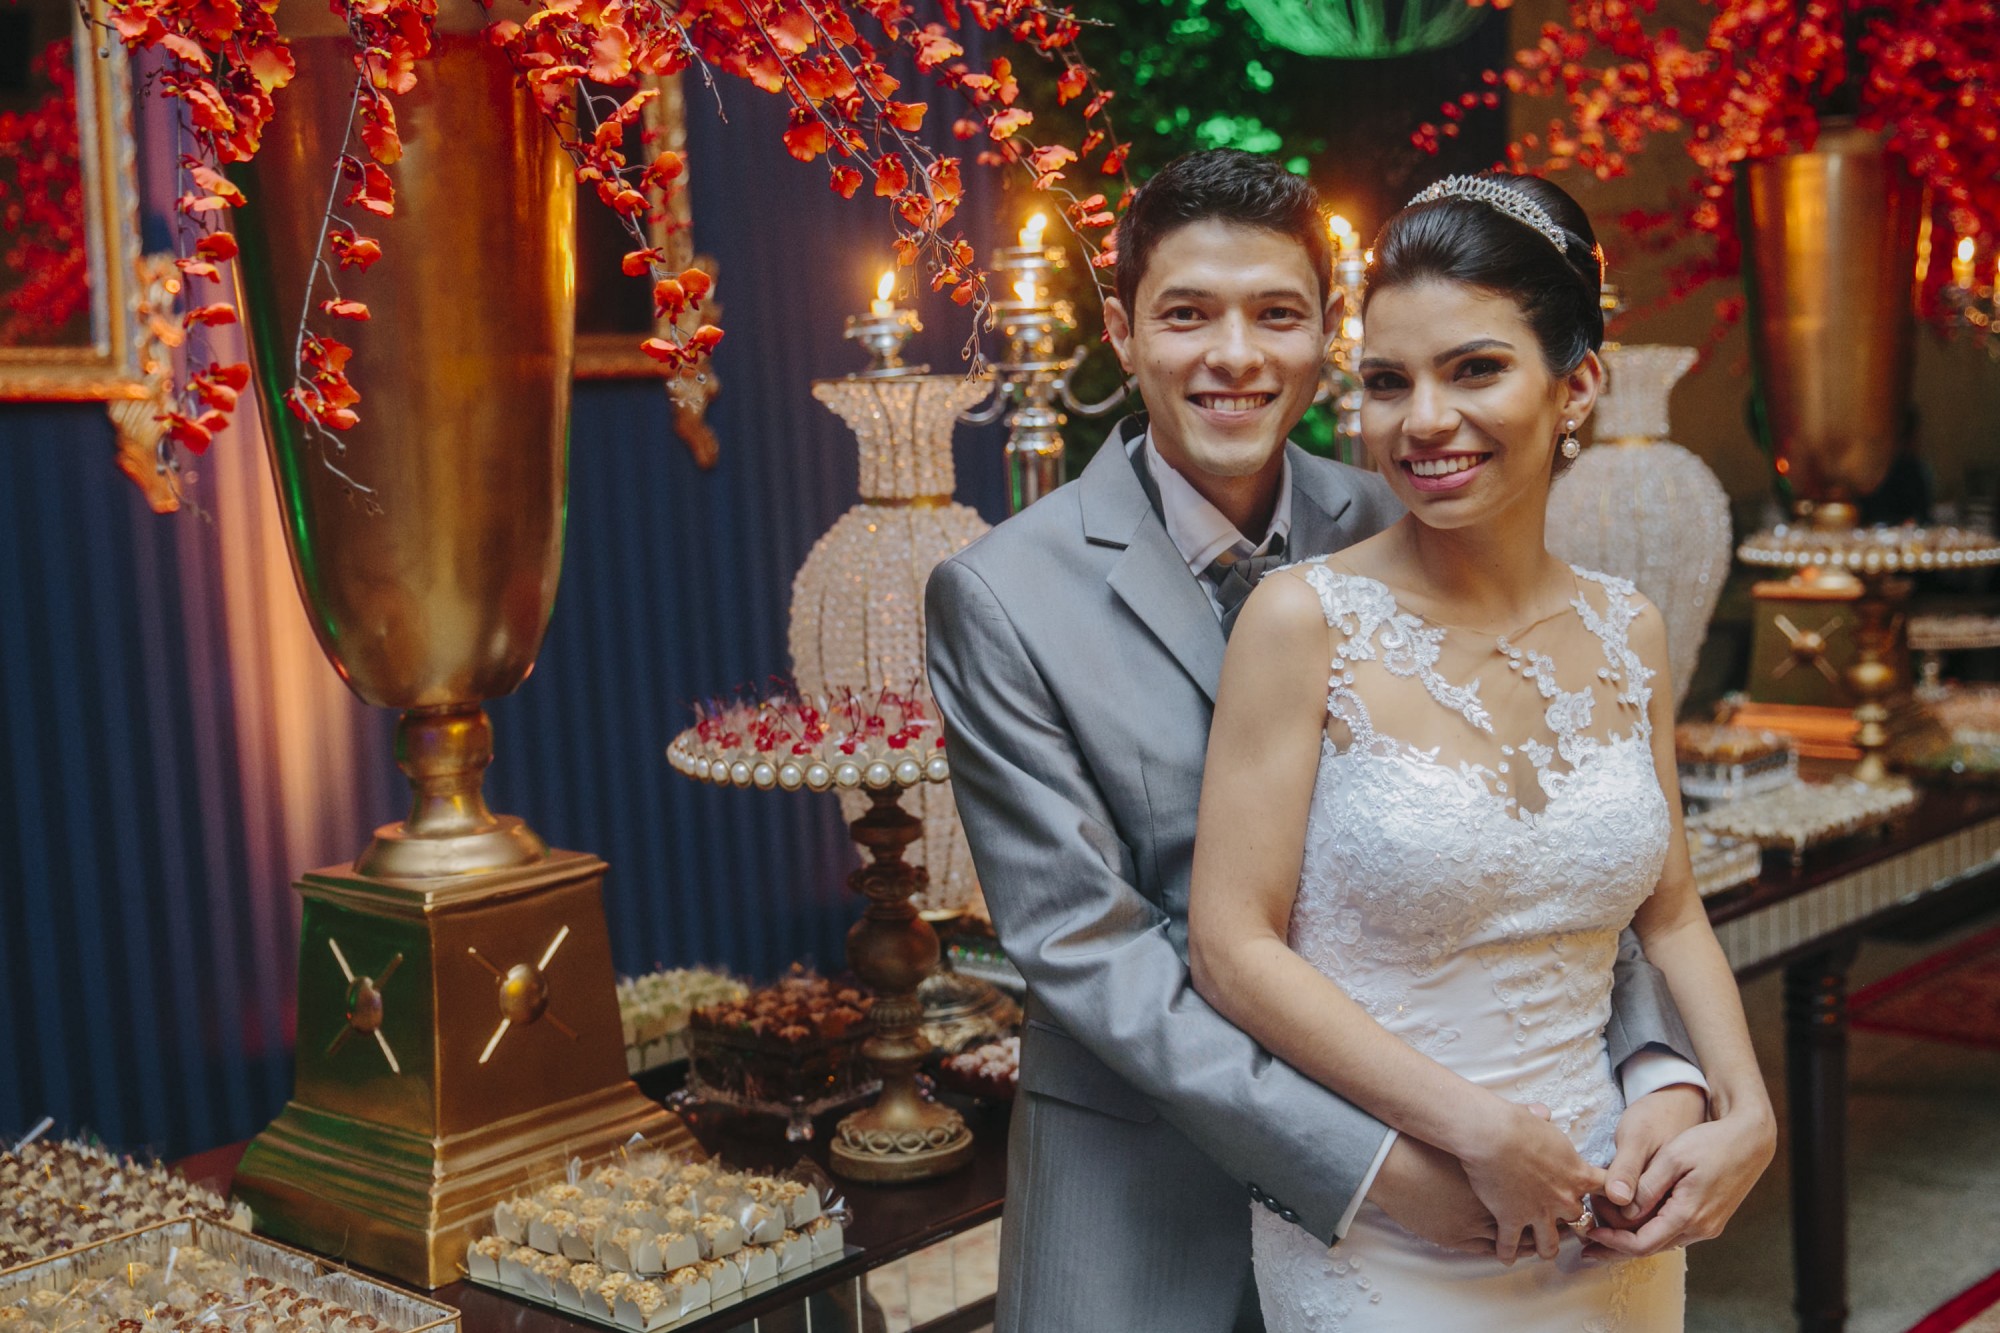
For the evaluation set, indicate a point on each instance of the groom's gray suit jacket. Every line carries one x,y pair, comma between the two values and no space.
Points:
1075,661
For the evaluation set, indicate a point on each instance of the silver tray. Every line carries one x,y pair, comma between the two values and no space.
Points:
692,1316
308,1274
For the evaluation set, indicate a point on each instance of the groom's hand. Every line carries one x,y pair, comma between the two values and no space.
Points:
1648,1125
1424,1190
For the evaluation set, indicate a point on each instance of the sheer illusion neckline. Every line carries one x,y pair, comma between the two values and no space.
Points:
1519,632
1378,632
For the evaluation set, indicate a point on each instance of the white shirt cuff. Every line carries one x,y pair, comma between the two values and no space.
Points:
1651,1068
1367,1183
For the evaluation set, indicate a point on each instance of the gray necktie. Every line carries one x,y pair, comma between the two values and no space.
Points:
1234,580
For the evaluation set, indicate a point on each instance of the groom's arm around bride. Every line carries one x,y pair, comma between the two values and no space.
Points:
1147,1122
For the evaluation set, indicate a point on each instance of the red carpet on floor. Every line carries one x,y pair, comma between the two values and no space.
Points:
1953,996
1963,1308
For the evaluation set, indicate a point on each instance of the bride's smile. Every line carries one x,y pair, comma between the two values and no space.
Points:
1458,406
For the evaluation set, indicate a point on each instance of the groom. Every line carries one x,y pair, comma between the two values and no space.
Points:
1074,653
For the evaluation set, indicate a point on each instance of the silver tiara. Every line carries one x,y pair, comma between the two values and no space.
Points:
1489,191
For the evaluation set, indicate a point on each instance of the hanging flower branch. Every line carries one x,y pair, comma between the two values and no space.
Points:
1756,84
225,61
1045,163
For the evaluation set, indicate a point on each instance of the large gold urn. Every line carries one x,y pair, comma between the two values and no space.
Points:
1829,258
458,1029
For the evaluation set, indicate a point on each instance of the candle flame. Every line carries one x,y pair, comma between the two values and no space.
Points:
1031,234
1341,230
1024,290
887,286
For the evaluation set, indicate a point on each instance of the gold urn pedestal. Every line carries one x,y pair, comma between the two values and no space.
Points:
903,1136
458,1037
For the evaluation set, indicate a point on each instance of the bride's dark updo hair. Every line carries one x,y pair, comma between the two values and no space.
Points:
1465,240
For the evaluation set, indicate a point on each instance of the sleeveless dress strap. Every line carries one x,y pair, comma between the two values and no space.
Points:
1372,627
1613,626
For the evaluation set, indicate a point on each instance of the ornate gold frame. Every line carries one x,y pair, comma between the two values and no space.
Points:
131,330
607,356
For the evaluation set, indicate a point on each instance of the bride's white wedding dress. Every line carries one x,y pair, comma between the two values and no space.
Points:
1486,820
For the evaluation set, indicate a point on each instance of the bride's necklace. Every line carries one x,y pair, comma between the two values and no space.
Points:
1506,637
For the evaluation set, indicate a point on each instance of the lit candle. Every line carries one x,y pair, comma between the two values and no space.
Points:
1026,292
1962,275
1342,232
1031,234
881,306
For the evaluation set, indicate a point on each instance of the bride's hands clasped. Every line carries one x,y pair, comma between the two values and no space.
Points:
1527,1173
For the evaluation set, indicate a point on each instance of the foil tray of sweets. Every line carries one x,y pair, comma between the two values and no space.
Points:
1965,745
1807,814
1969,714
655,1009
1722,863
197,1275
60,1195
642,1241
986,960
1719,762
989,1073
791,1049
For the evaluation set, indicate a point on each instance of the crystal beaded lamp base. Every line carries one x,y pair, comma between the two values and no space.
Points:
1643,508
857,602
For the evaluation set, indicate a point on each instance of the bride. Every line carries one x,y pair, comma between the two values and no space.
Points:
1440,783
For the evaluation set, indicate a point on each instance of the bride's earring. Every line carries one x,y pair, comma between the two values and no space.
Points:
1570,446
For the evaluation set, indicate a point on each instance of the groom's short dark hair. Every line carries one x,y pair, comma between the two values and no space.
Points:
1228,185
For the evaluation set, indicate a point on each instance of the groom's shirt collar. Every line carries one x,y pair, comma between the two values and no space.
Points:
1197,528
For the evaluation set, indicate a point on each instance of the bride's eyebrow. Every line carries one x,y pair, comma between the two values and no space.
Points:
1442,358
1476,345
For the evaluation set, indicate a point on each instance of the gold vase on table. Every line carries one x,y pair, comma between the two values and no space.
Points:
458,1028
1829,265
1829,260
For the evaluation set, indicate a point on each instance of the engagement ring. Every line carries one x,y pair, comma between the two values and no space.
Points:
1585,1222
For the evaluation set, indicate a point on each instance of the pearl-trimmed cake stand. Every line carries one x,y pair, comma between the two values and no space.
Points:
903,1136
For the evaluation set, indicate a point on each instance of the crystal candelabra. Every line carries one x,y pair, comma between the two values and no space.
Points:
1034,375
883,331
1970,305
857,617
1341,380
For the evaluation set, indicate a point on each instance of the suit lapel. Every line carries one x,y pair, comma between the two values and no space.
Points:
1153,580
1319,502
1148,575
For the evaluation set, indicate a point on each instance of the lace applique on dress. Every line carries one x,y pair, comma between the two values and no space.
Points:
1478,930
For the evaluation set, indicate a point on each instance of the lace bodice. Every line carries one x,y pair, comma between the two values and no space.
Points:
1486,820
1468,886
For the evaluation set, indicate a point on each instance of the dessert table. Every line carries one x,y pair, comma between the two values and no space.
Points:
890,1222
1940,861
